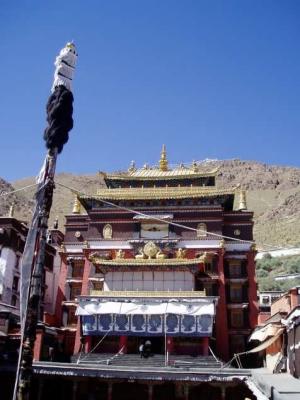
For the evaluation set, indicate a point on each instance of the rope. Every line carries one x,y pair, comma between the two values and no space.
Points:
94,348
228,363
220,236
213,354
2,194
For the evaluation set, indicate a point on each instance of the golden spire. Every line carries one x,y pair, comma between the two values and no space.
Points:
163,162
242,201
55,224
11,210
76,206
132,167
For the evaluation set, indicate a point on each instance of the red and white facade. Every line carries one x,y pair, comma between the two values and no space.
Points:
153,239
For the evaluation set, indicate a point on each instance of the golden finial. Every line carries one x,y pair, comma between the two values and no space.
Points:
55,224
163,162
11,210
253,247
132,167
76,206
194,166
86,244
242,201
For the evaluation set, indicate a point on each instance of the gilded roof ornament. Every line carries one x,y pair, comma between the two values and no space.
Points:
11,210
195,166
242,201
132,167
120,254
163,162
204,257
55,223
76,206
180,253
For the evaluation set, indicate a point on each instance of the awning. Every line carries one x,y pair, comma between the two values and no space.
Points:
254,389
147,318
267,343
291,317
139,307
264,332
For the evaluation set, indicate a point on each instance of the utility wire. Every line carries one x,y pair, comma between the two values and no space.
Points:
3,194
220,236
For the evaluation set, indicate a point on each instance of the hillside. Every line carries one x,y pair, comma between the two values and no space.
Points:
273,193
22,202
269,267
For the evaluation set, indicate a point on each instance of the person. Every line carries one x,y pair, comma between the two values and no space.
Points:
51,353
147,348
141,350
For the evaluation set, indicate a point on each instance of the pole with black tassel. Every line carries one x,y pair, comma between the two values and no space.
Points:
60,122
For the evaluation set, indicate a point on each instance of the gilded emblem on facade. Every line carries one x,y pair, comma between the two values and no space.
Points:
107,231
181,253
204,257
120,254
140,254
150,249
201,230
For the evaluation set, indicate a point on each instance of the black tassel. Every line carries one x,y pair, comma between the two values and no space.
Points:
59,118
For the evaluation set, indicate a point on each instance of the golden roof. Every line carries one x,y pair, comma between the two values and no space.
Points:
155,173
159,193
137,293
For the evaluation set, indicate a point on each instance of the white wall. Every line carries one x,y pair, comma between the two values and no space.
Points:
52,285
149,280
279,253
7,267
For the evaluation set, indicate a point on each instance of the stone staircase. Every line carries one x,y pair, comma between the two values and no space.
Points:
155,361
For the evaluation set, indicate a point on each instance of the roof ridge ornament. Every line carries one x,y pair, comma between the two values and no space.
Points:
132,167
242,201
76,206
163,162
11,211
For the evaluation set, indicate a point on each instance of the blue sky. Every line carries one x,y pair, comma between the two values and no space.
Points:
210,79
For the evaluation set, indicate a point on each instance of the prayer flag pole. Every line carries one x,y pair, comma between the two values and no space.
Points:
60,122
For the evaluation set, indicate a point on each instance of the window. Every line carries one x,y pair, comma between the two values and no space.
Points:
237,318
13,300
154,231
201,230
97,285
235,269
77,270
237,343
17,262
265,300
72,319
75,291
15,283
208,289
236,294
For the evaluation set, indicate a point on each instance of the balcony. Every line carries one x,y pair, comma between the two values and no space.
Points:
236,279
73,280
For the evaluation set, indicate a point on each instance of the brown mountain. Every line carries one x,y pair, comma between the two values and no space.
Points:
22,203
273,193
